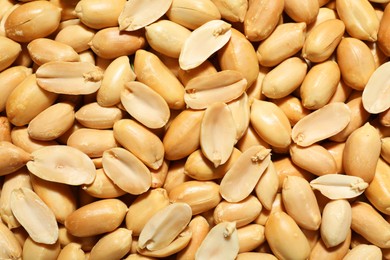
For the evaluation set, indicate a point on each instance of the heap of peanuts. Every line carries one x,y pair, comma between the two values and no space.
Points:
207,129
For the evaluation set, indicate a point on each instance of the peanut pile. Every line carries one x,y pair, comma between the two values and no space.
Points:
195,129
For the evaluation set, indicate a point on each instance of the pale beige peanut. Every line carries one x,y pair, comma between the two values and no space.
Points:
360,19
99,14
240,180
314,158
323,15
378,192
302,11
201,196
250,237
75,78
12,158
367,222
385,149
363,143
285,41
320,251
321,124
57,196
151,71
239,54
16,180
243,212
336,222
43,50
145,105
285,238
140,141
76,36
9,80
267,187
166,37
192,15
224,86
93,115
126,170
9,52
27,100
323,40
138,14
384,32
115,245
111,43
21,138
5,129
179,243
232,11
33,250
148,203
92,142
358,117
255,255
220,243
71,251
292,108
286,77
206,68
199,228
24,200
115,76
103,187
376,90
32,20
10,247
336,150
265,116
164,226
213,35
217,133
363,251
261,19
301,203
52,122
356,62
63,164
185,127
96,218
320,84
198,167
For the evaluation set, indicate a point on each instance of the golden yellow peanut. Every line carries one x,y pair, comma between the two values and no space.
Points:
65,238
261,19
285,41
110,43
5,129
356,62
33,250
243,212
361,152
250,237
367,222
320,251
11,249
159,175
12,158
266,117
9,52
378,192
103,187
21,138
175,175
192,15
255,255
96,218
285,167
71,251
67,6
238,54
292,108
323,40
360,19
151,71
57,196
285,238
323,15
232,11
384,32
342,92
286,77
93,115
206,68
92,142
76,36
302,11
115,244
336,150
267,187
140,141
116,74
99,14
148,203
250,138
